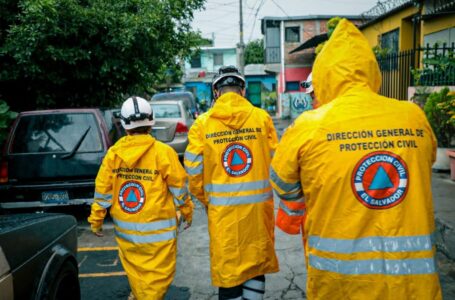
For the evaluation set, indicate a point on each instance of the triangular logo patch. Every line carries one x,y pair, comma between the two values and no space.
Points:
131,196
236,160
381,180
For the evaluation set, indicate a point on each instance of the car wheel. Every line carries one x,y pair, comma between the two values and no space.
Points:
66,284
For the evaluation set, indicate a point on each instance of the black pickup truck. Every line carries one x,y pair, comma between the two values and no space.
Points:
52,157
38,257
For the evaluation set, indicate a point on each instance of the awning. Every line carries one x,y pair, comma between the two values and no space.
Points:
313,42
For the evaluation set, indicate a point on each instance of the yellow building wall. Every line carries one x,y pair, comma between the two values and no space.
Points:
399,20
437,24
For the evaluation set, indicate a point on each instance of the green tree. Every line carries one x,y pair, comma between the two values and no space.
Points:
254,52
72,53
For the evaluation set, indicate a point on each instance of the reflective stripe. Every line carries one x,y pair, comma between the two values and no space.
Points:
295,197
144,227
291,212
374,266
359,185
103,196
287,187
240,199
255,284
237,187
252,295
178,192
104,204
146,239
193,157
194,170
377,243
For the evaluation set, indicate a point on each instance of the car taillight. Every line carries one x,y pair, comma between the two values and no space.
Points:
181,128
4,172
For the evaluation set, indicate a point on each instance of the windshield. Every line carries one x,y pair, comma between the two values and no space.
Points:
59,132
162,111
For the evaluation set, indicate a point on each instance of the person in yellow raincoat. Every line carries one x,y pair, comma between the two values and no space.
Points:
142,182
227,160
354,178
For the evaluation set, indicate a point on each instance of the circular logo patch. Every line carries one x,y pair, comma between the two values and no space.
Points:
237,159
132,197
380,180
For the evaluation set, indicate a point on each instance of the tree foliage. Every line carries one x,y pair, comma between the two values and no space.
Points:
72,53
254,52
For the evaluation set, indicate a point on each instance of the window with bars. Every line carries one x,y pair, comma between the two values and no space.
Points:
292,34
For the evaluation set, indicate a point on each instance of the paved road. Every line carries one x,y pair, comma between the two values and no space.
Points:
101,275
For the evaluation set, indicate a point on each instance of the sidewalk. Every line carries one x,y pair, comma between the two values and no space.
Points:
444,206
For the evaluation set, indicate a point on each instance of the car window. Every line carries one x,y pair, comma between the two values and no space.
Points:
59,132
166,111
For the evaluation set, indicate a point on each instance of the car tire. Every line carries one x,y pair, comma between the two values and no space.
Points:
66,284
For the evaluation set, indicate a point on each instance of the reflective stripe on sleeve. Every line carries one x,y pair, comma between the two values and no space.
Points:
296,197
104,204
193,157
286,187
105,197
178,192
146,239
241,199
291,212
237,187
144,227
194,170
374,266
376,243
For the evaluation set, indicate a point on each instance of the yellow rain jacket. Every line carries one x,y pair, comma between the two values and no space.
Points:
354,177
142,182
228,161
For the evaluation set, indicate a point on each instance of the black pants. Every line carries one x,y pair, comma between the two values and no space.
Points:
251,289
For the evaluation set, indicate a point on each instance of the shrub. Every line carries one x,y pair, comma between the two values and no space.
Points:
440,111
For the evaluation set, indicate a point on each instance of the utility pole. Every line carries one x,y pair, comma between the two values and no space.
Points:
241,44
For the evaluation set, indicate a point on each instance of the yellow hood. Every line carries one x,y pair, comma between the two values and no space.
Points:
131,148
345,62
232,110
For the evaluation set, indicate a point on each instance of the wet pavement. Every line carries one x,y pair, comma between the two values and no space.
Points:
192,280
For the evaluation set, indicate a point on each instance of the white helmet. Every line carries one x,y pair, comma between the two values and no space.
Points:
308,84
136,112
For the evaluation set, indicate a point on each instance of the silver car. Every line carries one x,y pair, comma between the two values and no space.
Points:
173,120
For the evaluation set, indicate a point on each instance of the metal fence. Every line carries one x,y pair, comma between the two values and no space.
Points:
272,55
425,66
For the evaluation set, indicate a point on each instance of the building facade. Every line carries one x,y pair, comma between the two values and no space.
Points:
281,36
410,37
201,68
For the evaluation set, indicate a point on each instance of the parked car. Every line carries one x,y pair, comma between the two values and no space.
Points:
186,97
172,122
38,257
52,157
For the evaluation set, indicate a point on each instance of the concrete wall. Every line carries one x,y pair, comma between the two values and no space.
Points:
297,74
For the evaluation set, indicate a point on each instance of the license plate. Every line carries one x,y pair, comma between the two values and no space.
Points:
55,197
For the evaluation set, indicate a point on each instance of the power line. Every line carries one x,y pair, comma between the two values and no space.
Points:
255,18
280,8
